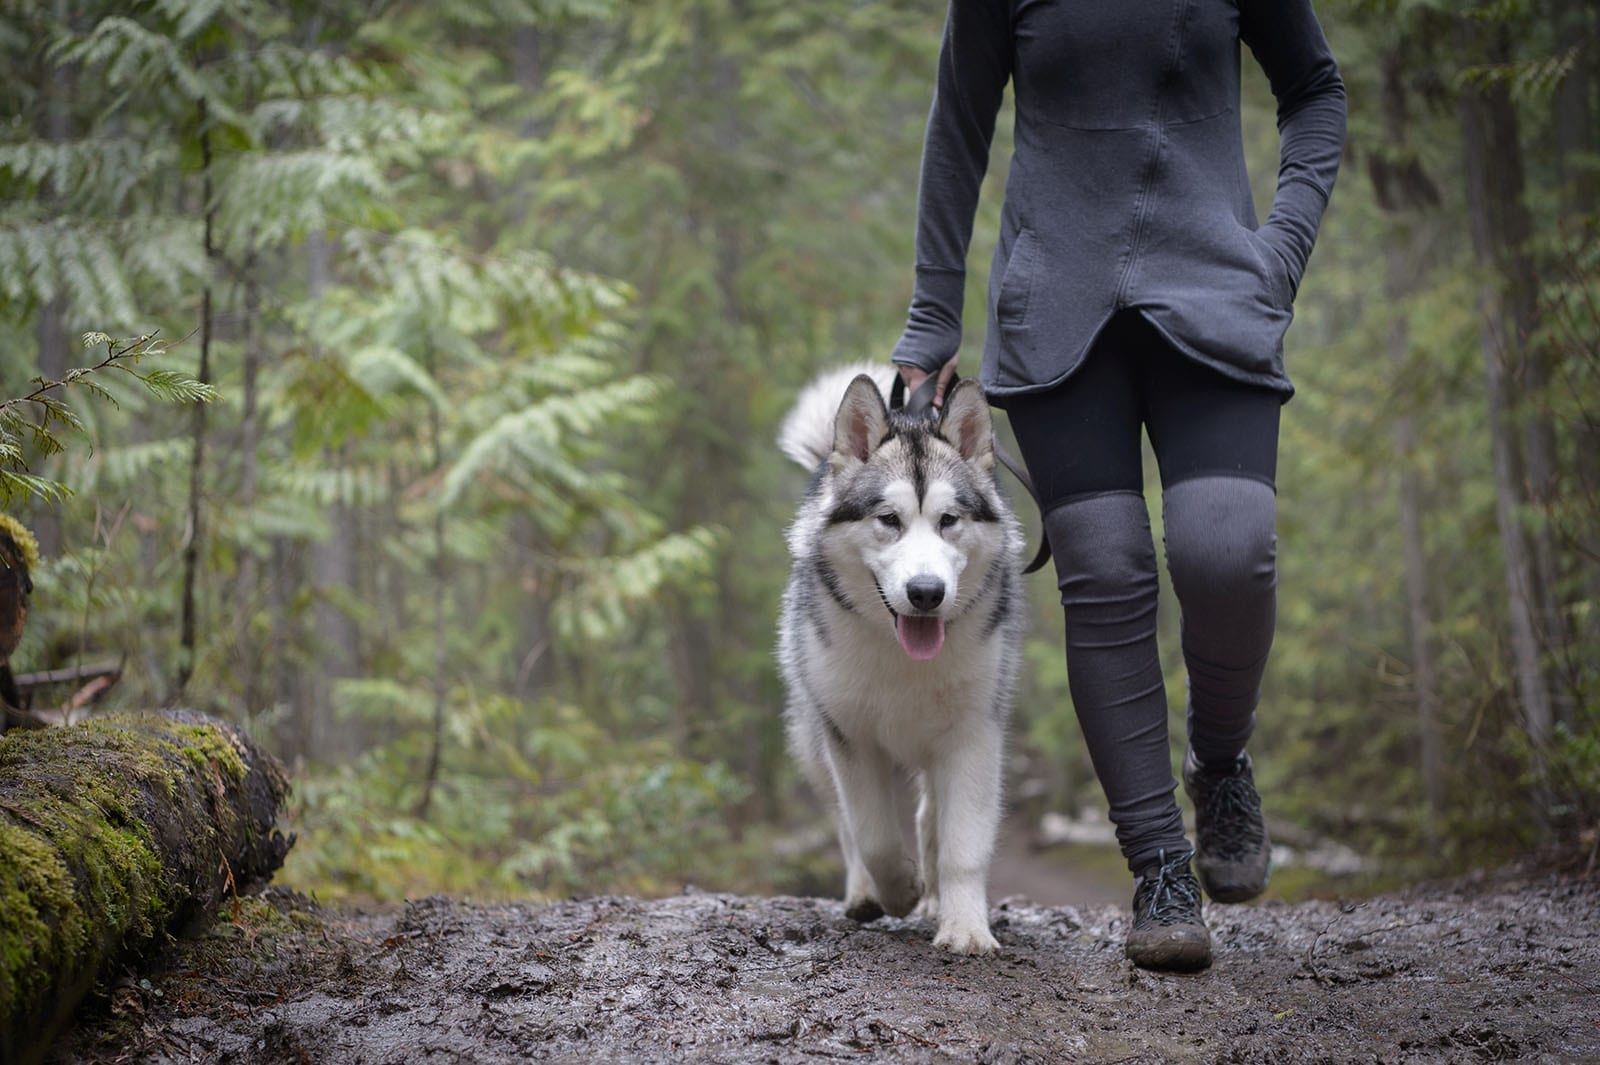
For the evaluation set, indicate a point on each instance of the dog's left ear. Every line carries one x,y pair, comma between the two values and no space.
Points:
861,424
966,423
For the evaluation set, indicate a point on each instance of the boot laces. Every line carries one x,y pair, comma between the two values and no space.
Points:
1171,893
1232,809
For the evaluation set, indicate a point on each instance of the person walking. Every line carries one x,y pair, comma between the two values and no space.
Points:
1132,288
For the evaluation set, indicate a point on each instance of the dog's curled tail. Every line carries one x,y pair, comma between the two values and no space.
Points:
806,435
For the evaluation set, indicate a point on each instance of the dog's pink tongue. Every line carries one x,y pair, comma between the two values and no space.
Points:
921,637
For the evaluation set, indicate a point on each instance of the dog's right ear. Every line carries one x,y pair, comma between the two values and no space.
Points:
861,425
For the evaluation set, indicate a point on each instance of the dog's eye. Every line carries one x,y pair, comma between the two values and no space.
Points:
947,521
890,521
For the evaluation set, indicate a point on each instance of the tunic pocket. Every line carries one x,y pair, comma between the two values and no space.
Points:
1280,288
1016,293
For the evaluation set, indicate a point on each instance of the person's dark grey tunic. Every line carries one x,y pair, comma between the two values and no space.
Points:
1127,186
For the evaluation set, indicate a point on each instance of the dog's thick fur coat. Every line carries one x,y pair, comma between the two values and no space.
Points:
899,642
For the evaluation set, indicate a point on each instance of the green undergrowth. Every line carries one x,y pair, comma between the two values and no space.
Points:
546,809
84,812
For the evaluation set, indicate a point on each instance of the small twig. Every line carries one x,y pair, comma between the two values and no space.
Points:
394,941
911,1036
90,694
228,883
70,675
1311,955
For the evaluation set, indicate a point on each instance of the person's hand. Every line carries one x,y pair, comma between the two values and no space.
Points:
914,377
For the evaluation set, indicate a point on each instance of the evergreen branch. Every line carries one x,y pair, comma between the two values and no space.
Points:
610,589
1530,80
129,350
45,403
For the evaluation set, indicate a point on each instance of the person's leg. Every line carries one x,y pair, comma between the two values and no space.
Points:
1216,442
1081,442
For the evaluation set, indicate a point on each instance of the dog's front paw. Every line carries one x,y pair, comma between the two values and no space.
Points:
964,938
900,895
864,911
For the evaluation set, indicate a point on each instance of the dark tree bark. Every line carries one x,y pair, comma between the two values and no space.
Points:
252,661
333,565
1492,157
1577,143
1526,360
111,834
188,623
1403,202
51,327
441,591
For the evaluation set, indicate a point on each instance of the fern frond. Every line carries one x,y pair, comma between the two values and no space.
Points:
267,199
1528,81
94,176
380,698
385,370
123,465
600,606
125,54
189,17
17,488
536,431
352,486
171,386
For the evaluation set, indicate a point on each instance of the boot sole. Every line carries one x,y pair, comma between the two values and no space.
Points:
1231,893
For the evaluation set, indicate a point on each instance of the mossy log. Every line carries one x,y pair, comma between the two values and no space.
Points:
113,833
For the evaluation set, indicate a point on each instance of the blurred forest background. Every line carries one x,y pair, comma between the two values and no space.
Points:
503,300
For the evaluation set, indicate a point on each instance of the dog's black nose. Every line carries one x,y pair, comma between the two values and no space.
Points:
925,593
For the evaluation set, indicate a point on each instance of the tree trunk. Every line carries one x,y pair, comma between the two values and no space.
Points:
288,661
51,328
533,669
188,623
1492,163
1577,144
1424,674
333,566
113,833
1405,267
251,659
1526,360
441,590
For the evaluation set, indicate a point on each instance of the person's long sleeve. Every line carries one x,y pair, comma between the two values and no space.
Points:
1288,42
974,66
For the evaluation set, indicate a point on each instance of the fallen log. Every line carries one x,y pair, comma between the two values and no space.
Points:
112,834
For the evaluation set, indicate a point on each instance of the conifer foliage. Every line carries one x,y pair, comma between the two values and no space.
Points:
417,418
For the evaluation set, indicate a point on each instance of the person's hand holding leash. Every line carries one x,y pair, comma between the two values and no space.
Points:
914,377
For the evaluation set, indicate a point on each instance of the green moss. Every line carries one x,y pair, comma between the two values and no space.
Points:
84,815
212,746
39,913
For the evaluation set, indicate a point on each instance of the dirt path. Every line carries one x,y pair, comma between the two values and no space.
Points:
1052,877
1508,970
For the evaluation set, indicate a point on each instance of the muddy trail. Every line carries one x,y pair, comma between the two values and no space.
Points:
1494,969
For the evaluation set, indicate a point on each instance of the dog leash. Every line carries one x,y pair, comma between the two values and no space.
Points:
920,404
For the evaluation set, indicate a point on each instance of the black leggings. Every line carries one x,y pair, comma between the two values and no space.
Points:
1083,436
1216,443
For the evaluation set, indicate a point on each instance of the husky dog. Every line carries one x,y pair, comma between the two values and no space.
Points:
899,641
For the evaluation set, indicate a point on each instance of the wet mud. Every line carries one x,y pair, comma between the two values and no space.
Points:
1501,969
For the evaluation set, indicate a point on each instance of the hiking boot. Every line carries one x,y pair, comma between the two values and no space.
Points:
1232,853
1168,931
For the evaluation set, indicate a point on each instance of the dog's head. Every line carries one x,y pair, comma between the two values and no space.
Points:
915,508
